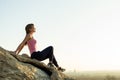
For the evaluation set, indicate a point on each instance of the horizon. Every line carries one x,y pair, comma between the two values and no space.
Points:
84,33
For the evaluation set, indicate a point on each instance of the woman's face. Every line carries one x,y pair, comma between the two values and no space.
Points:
33,29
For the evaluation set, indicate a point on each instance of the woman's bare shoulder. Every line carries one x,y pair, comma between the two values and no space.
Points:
29,36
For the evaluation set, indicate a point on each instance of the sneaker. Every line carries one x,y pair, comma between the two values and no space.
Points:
50,65
61,69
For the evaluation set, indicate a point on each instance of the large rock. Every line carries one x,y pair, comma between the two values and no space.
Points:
16,67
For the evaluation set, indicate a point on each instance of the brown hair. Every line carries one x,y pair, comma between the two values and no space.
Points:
28,27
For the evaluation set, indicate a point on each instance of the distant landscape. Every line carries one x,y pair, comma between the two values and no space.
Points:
94,75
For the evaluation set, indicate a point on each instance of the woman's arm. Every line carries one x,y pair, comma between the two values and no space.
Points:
20,47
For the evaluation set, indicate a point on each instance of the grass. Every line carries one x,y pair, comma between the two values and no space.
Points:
95,75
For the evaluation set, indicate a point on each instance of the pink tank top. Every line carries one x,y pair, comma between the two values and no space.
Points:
32,45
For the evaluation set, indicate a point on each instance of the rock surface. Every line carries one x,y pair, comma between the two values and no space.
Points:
16,67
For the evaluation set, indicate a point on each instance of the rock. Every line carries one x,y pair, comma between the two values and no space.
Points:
21,67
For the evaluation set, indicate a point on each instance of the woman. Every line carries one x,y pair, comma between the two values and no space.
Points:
39,55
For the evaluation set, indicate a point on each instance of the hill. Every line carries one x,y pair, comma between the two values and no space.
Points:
21,67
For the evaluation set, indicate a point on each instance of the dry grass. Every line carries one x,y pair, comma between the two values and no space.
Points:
101,75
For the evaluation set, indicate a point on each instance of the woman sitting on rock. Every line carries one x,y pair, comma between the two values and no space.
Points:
39,55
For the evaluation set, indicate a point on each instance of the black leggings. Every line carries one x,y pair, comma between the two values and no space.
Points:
44,54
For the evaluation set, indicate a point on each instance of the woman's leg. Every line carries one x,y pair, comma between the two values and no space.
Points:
44,54
48,53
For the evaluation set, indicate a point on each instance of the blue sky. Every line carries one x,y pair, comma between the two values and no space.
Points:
84,33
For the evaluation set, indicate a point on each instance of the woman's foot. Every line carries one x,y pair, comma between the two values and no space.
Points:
50,64
61,69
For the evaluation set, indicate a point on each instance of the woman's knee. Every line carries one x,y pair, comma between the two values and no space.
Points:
51,47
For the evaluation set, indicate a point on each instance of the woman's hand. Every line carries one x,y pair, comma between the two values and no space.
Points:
15,52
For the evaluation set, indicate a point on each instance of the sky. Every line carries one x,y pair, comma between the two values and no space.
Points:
84,33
